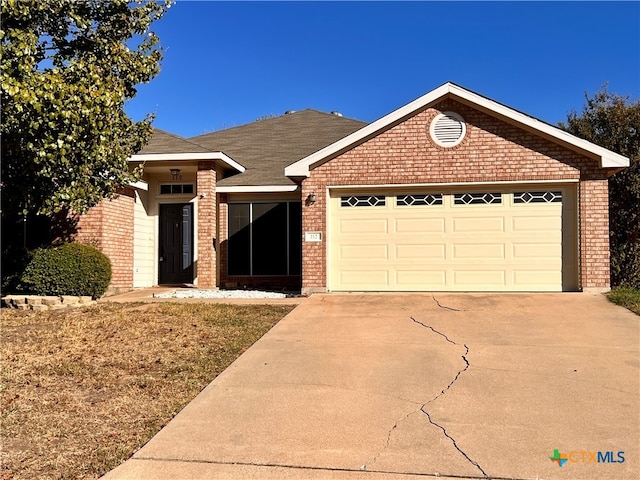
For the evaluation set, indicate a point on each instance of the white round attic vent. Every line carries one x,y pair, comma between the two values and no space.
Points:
448,129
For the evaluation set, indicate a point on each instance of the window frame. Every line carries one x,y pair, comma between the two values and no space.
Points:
173,185
250,226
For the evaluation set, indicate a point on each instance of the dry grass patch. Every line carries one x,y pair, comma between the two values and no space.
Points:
84,389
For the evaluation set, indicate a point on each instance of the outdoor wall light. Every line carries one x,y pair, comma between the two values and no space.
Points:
312,198
175,173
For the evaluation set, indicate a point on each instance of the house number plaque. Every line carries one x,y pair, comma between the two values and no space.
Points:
312,236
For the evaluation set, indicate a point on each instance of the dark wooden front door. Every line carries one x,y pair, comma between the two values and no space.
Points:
176,244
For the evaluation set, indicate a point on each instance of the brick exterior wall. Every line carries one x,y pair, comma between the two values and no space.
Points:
492,151
206,225
109,227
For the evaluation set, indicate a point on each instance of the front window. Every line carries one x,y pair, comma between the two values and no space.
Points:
176,188
265,238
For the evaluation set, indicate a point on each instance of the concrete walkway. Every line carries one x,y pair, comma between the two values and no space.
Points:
408,386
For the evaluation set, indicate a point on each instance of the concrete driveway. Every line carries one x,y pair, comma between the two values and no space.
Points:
407,385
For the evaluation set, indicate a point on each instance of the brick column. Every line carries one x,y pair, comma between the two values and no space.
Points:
594,235
206,225
314,219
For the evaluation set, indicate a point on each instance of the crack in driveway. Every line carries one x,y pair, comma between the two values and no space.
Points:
444,306
464,357
453,441
442,392
386,444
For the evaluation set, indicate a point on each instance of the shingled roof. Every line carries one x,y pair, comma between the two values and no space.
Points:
266,147
165,143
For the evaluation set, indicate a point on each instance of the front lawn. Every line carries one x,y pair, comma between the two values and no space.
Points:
627,297
83,389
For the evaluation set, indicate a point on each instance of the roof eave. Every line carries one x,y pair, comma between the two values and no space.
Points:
256,188
614,161
177,157
139,185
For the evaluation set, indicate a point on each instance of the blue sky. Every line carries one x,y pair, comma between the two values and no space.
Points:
230,63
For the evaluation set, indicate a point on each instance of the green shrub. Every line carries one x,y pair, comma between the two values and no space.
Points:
69,269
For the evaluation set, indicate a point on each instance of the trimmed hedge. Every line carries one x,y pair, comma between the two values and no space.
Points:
69,269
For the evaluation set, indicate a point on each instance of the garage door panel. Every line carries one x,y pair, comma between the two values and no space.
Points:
417,251
360,279
478,224
536,223
532,279
483,279
421,279
479,251
537,250
507,246
419,225
358,226
366,252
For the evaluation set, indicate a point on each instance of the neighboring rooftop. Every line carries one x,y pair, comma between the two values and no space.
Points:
266,147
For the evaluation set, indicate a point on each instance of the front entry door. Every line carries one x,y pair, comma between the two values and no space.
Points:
175,262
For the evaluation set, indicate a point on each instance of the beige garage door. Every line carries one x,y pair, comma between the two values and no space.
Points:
468,239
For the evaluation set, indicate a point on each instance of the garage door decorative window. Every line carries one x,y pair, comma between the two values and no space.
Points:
537,197
363,201
477,198
429,199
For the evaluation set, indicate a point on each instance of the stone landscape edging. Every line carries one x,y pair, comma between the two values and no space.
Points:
45,302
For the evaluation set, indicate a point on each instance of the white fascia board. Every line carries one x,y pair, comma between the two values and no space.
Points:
614,160
171,157
141,185
608,159
257,189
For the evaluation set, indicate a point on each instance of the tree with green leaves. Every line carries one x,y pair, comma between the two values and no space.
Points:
67,69
613,121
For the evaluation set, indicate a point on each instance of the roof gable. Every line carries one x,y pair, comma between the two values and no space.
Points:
607,158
